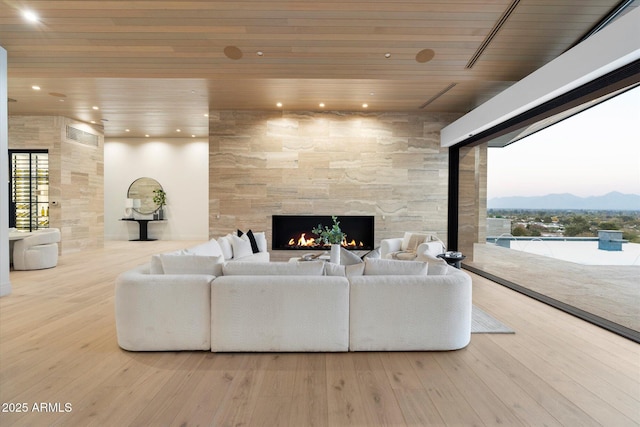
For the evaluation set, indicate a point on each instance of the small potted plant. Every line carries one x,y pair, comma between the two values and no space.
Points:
331,236
160,199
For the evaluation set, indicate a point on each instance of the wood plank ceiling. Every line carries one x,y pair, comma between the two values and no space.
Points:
157,66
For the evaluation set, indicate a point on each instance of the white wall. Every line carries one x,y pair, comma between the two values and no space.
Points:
5,284
180,165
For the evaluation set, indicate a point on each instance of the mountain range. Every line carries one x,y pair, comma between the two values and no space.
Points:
609,201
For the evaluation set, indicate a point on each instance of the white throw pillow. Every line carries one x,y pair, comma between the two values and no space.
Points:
261,241
392,267
437,266
155,267
332,269
189,264
349,258
210,248
241,247
225,246
247,268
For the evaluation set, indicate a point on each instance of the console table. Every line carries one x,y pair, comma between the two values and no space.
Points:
143,225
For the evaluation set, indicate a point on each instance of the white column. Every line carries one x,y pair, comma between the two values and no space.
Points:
5,284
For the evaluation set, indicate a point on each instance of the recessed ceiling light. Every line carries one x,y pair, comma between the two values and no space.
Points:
193,136
95,107
206,114
30,16
365,105
279,105
127,130
178,130
259,53
321,105
35,87
387,55
146,135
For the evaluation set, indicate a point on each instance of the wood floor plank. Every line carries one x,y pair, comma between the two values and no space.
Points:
58,344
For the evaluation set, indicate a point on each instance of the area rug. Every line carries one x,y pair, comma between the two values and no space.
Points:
483,323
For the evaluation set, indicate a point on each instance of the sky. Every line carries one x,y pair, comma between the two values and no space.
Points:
590,154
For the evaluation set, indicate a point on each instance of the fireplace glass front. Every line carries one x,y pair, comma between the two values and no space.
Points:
294,232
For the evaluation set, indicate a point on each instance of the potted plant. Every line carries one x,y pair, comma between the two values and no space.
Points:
331,236
160,199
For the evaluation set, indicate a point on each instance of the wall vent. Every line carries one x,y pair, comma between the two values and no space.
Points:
82,137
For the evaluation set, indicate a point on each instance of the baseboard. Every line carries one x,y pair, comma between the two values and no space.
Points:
5,288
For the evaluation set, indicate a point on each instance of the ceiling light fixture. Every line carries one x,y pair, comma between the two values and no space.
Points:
95,107
279,105
35,87
387,55
321,105
260,53
365,105
146,135
127,130
30,16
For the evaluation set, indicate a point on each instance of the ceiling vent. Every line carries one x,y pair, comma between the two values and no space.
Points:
492,34
82,137
438,95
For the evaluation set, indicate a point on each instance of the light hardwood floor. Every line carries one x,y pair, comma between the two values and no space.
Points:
58,346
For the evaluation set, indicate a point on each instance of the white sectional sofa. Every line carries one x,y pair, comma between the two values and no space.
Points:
378,305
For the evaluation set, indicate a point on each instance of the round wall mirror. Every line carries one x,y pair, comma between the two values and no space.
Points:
142,189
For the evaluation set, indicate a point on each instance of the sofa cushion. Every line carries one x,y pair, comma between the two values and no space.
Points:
243,268
190,264
210,248
392,267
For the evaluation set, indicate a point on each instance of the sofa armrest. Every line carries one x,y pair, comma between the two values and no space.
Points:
389,246
433,249
163,312
410,313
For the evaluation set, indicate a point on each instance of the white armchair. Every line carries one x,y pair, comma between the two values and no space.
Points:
38,251
412,246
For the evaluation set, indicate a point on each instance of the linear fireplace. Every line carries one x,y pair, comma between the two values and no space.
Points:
294,231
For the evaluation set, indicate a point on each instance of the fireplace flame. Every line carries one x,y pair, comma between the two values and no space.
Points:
311,242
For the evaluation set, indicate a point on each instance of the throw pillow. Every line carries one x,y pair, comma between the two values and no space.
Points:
437,266
241,247
261,240
189,264
331,269
225,246
348,258
411,241
210,248
252,240
392,267
155,267
372,254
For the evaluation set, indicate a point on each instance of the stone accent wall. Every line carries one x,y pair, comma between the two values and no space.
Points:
76,177
472,198
389,165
